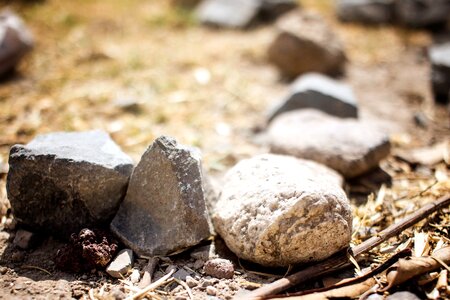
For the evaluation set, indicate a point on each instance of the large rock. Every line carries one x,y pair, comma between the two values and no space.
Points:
319,92
305,43
348,146
422,13
164,210
365,11
279,210
440,71
62,182
228,13
15,40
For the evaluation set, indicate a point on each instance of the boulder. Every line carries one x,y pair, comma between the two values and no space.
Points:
440,71
278,210
164,211
319,92
365,11
15,41
305,43
349,146
422,13
228,13
62,182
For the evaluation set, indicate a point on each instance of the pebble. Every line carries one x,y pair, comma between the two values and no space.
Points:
219,268
135,276
198,264
3,270
25,239
365,11
228,13
210,290
191,282
402,296
121,264
181,274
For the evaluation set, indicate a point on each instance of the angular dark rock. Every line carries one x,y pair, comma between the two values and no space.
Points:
305,43
15,40
366,11
62,182
319,92
422,13
440,71
164,210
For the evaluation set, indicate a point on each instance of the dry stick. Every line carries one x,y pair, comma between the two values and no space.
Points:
337,262
152,286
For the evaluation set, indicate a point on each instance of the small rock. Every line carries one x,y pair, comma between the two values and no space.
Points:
18,256
204,252
181,274
63,182
3,270
210,290
349,146
191,282
198,264
440,71
305,43
366,11
121,264
208,281
15,40
228,13
422,13
318,92
402,296
219,268
272,9
25,239
135,276
164,210
279,210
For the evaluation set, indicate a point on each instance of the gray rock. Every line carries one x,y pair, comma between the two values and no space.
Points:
25,239
305,43
278,210
191,282
422,13
402,296
15,40
121,264
320,92
204,253
272,9
228,13
62,182
181,274
440,71
164,211
219,268
366,11
349,146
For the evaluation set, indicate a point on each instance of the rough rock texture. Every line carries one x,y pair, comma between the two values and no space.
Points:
228,13
366,11
15,40
440,71
279,210
320,92
121,264
349,146
62,182
219,268
422,13
305,43
164,210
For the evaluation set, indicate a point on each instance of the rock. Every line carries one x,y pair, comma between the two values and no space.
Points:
422,13
62,182
272,9
402,296
228,13
210,290
204,252
349,146
219,268
320,92
181,274
278,210
305,43
25,239
191,282
15,41
440,71
135,276
366,11
164,211
121,264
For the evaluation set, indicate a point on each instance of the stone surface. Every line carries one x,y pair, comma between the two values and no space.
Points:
164,210
204,252
349,146
317,91
62,182
278,210
440,71
365,11
15,40
272,9
121,264
25,239
402,296
228,13
219,268
306,43
422,13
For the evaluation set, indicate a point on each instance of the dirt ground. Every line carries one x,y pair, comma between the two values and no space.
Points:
208,88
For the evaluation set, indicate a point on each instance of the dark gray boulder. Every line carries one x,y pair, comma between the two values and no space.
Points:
319,92
62,182
365,11
422,13
164,211
440,71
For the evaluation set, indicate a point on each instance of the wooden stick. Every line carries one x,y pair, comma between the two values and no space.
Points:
152,286
340,260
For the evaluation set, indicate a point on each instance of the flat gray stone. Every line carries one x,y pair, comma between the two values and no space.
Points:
365,11
164,211
317,91
305,43
121,264
440,71
278,210
349,146
422,13
15,40
228,13
62,182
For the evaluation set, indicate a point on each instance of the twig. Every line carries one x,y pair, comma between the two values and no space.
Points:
152,286
186,287
37,268
340,260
